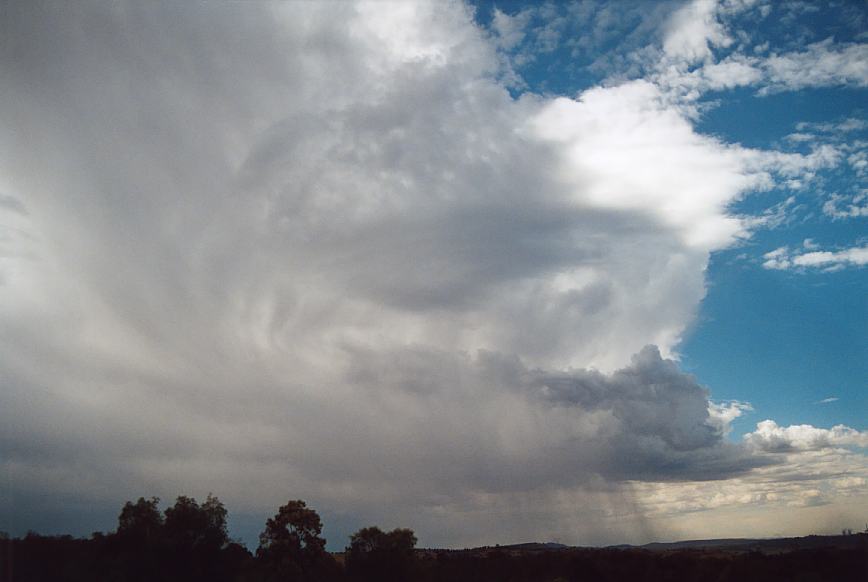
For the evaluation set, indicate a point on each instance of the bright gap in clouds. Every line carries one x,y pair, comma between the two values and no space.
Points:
318,251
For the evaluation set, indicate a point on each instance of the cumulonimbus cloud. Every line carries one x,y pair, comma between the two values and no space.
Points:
319,250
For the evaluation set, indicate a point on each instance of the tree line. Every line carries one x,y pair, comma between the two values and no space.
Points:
190,542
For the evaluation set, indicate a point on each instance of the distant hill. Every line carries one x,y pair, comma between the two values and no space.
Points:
515,549
775,545
763,545
534,547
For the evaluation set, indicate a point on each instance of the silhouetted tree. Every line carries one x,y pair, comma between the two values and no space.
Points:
190,524
136,549
382,556
141,520
194,536
291,547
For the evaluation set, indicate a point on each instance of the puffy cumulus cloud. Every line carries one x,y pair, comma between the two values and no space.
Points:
770,437
317,250
828,482
817,470
626,165
722,414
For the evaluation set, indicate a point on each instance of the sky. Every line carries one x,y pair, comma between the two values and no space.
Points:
583,272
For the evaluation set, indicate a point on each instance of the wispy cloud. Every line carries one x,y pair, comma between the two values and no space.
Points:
840,207
783,258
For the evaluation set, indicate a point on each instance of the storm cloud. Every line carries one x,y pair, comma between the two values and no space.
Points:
319,251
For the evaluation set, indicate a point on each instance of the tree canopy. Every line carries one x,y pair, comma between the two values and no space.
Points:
191,524
141,520
292,544
382,556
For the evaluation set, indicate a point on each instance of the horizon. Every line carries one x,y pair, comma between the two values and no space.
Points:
589,272
547,544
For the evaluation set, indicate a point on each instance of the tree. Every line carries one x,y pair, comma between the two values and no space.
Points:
382,556
291,545
141,520
136,549
190,524
194,537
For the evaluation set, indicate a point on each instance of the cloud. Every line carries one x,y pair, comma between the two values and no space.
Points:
846,257
578,38
704,50
782,259
845,126
693,31
729,74
510,29
689,49
854,206
808,477
777,215
722,414
821,64
828,400
303,250
769,437
829,476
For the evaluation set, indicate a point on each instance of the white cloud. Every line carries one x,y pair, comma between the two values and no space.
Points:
722,414
782,259
689,67
729,74
778,214
854,256
801,137
769,437
510,29
820,64
845,126
853,207
830,480
777,259
858,160
694,30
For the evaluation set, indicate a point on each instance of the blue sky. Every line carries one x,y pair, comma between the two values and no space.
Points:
583,271
808,337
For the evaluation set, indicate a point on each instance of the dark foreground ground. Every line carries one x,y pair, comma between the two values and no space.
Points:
106,558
